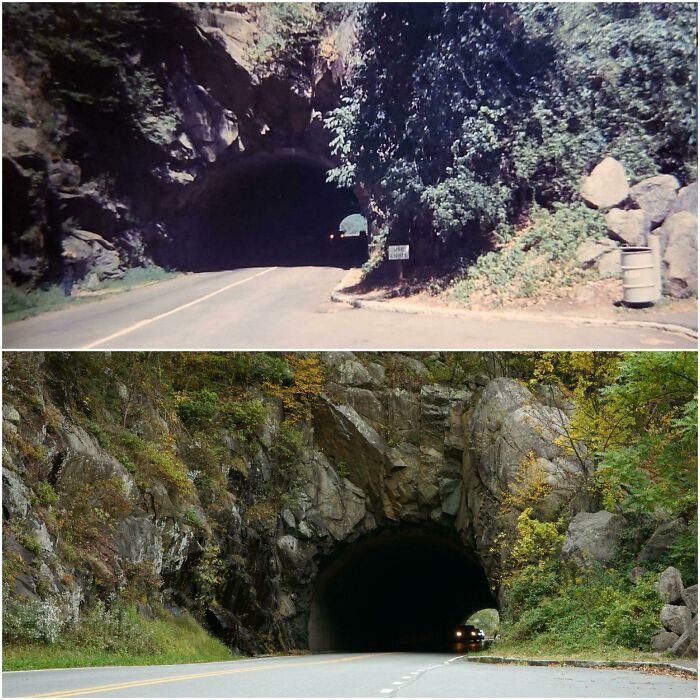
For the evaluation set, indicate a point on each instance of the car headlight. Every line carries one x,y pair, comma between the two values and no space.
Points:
459,634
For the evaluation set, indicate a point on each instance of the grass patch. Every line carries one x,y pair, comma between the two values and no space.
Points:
101,639
18,303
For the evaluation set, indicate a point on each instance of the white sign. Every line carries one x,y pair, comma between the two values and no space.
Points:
398,252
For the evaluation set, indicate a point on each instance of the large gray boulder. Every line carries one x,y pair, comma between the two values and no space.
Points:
686,199
679,241
609,264
663,640
669,585
630,227
659,545
593,537
591,250
690,598
676,618
655,196
353,373
687,644
606,186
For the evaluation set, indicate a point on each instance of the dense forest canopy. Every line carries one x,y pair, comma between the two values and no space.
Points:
459,116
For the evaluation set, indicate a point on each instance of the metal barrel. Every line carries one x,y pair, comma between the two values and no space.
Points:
640,283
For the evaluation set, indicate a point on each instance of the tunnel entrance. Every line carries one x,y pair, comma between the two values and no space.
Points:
269,210
400,589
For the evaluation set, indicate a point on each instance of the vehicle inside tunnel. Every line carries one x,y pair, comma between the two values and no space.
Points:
271,210
401,589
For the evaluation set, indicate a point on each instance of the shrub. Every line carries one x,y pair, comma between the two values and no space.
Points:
244,418
46,493
539,258
30,621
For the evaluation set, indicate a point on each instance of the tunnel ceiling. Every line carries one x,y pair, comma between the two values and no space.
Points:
403,588
275,209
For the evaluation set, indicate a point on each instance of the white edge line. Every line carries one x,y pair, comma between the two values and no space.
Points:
147,321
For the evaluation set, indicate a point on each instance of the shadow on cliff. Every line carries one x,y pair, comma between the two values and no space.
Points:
403,589
270,211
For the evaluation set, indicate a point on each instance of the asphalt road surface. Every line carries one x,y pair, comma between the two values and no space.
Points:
289,308
344,675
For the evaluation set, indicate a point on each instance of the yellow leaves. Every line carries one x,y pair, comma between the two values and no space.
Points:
530,485
307,383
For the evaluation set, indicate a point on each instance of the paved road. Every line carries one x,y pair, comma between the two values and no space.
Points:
344,675
289,308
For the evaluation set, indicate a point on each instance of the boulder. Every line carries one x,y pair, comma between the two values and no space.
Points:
669,585
679,241
690,598
593,537
606,186
290,552
687,643
376,373
591,249
676,618
609,264
630,227
352,373
686,199
663,640
658,546
655,196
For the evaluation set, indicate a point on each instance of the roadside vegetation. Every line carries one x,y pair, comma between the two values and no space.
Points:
18,303
36,637
635,417
461,123
179,423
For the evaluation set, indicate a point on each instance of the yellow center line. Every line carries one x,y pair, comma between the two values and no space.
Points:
195,676
147,321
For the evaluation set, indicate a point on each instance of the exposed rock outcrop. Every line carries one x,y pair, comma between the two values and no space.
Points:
593,537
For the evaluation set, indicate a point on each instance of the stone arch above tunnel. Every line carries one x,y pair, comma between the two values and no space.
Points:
395,455
400,588
272,208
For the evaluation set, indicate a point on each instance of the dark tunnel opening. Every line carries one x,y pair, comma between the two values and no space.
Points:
401,589
272,210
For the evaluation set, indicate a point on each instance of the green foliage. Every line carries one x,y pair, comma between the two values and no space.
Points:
540,257
487,619
30,621
46,493
684,555
103,636
647,442
568,613
458,116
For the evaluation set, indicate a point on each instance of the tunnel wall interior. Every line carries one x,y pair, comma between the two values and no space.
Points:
401,589
277,210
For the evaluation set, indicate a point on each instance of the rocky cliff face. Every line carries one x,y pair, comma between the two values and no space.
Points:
387,448
116,120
